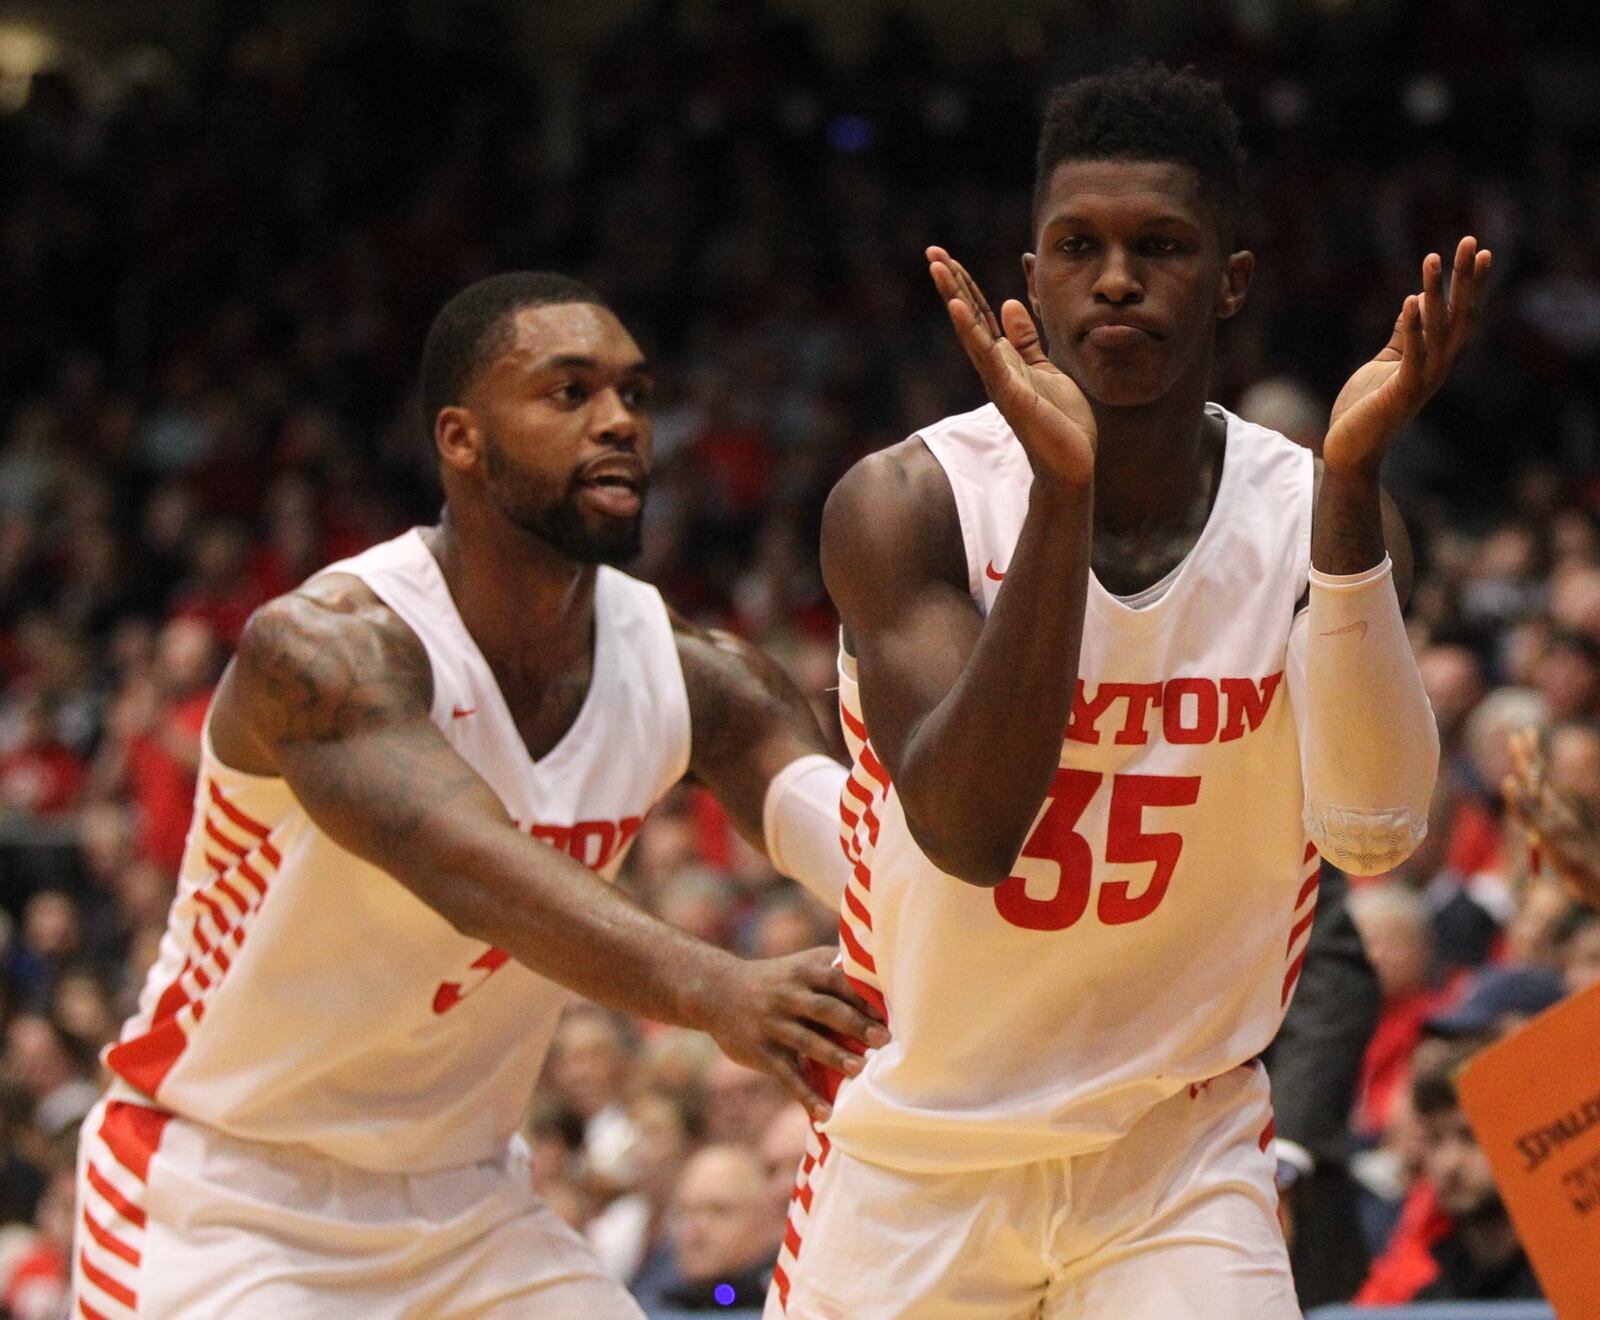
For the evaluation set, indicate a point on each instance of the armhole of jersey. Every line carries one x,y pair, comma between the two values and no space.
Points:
675,713
376,581
969,515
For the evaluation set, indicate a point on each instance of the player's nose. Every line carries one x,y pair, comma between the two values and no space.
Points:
1117,279
612,422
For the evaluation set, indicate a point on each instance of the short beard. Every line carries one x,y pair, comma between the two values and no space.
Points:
560,524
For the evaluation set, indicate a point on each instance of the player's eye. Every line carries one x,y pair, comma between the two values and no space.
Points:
568,392
637,395
1074,244
1162,247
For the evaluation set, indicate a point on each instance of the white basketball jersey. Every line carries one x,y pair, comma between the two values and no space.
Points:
304,996
1156,921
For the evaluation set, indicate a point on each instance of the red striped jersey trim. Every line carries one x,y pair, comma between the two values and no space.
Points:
105,1283
241,880
115,1245
1299,929
246,823
853,722
115,1199
1291,977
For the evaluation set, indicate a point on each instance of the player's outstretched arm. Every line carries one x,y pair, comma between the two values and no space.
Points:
331,691
1369,745
757,747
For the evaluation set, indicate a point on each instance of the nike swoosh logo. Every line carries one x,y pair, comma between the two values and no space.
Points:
461,712
992,574
1359,626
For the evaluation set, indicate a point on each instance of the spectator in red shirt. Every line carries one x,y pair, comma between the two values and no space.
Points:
153,748
40,775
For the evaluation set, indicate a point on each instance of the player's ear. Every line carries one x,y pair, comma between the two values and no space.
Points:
1030,263
1234,282
457,438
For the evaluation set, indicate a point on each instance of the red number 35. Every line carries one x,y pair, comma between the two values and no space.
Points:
1055,851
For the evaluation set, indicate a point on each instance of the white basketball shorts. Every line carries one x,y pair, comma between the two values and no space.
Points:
1177,1220
177,1221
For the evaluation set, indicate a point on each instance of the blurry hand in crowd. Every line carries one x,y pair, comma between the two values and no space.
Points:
1561,827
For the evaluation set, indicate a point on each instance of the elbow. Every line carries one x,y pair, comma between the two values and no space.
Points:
970,858
1365,843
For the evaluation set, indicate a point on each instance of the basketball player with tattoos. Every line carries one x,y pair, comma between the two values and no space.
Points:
418,774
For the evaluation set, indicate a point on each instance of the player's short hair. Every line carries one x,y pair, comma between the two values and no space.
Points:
1146,112
475,326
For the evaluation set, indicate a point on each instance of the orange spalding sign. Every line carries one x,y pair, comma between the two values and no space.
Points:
1533,1100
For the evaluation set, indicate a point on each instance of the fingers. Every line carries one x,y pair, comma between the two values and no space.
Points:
1435,316
1525,758
821,1049
1412,379
1022,333
1467,277
787,1070
968,289
836,997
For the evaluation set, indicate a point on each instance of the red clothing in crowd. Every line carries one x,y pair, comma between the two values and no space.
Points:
163,786
43,781
1408,1266
1386,1066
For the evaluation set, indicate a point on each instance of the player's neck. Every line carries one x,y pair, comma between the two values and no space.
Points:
1151,461
525,604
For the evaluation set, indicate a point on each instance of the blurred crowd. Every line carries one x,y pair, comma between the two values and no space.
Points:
216,277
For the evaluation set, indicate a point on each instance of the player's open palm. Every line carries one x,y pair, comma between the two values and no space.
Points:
1390,390
1042,404
785,1011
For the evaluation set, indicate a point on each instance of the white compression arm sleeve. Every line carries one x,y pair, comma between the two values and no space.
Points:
1369,747
800,822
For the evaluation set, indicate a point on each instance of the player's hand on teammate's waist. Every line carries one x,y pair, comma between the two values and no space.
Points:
1042,404
1390,390
776,1013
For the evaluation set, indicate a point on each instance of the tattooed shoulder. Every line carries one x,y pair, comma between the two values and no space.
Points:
330,660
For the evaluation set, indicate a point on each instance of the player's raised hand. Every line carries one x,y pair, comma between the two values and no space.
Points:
1557,826
1390,390
1040,402
783,1011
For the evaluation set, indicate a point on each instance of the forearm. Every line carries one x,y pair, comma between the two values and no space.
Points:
1368,742
973,774
558,919
1347,527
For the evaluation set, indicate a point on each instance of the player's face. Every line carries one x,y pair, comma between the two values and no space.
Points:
1457,1167
565,420
1130,277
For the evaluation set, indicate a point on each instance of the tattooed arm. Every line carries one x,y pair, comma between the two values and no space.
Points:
331,691
749,721
757,747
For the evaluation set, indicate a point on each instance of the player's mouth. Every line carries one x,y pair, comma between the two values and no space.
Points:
615,486
1116,333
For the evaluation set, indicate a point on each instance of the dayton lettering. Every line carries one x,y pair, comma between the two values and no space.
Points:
592,842
1181,710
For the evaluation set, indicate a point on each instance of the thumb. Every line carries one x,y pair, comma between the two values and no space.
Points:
1022,333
